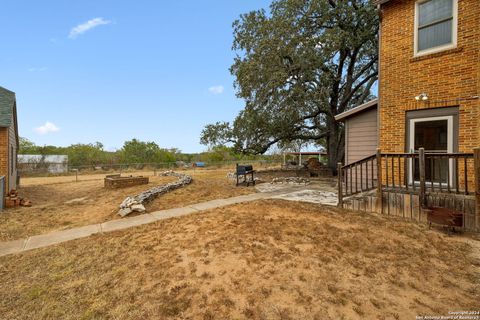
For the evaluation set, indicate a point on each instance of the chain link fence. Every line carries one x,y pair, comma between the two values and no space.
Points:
92,172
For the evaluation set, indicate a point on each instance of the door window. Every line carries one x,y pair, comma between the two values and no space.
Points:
435,135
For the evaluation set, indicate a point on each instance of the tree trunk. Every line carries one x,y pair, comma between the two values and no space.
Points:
335,144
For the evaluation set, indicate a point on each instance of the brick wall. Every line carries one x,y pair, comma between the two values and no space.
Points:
12,160
4,153
450,78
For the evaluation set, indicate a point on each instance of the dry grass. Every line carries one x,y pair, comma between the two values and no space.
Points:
207,185
262,260
51,212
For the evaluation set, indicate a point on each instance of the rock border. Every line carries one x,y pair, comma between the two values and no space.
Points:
136,203
290,180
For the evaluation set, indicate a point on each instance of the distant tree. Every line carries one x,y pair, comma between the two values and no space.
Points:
296,68
49,150
218,154
91,154
27,147
136,151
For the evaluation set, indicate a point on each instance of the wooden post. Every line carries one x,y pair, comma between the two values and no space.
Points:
476,165
76,174
340,185
236,171
379,182
421,160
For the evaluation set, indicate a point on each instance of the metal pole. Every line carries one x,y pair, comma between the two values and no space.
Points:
340,185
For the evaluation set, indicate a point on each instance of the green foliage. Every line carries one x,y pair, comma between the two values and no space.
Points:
27,146
296,68
86,154
136,151
93,154
132,152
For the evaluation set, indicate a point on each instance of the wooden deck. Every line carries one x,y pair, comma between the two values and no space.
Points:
455,187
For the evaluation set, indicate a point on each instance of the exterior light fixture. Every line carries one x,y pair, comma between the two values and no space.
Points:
422,97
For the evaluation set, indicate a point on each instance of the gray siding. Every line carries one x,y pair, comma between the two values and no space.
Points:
361,136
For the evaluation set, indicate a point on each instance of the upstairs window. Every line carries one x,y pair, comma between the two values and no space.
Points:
435,25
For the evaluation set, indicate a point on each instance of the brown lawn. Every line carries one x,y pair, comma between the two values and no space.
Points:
52,211
264,260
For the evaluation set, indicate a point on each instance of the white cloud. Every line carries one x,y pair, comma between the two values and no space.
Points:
37,69
216,89
48,127
84,27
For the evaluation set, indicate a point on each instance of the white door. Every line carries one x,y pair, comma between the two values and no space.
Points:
435,135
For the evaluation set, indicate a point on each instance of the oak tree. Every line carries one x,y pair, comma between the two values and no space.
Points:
297,67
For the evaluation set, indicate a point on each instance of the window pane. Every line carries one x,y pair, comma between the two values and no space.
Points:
434,10
435,35
431,135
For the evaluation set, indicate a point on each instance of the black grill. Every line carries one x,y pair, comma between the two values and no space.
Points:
247,173
242,169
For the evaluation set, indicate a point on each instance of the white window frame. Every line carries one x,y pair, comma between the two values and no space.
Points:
444,47
411,144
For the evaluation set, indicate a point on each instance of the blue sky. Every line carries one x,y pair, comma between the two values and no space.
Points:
111,70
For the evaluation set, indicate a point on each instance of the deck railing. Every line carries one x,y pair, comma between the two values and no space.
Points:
437,172
420,172
359,176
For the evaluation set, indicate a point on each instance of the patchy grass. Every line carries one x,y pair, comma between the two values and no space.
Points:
52,211
264,260
207,185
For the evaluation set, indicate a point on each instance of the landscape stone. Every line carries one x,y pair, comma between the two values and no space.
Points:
138,201
138,208
125,211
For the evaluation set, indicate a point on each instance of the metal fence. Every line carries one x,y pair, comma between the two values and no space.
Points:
78,171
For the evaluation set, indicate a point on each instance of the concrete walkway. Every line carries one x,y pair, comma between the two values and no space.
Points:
45,240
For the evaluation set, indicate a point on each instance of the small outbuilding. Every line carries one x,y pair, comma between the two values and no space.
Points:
303,156
361,131
43,163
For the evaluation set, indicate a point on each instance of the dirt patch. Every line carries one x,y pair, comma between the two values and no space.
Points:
206,185
264,260
63,204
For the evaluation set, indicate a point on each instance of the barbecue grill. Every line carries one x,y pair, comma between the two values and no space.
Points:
247,172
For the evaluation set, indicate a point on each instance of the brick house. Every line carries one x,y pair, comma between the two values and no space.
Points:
429,80
429,76
429,92
8,139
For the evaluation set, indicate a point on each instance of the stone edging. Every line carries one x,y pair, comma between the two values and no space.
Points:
131,204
